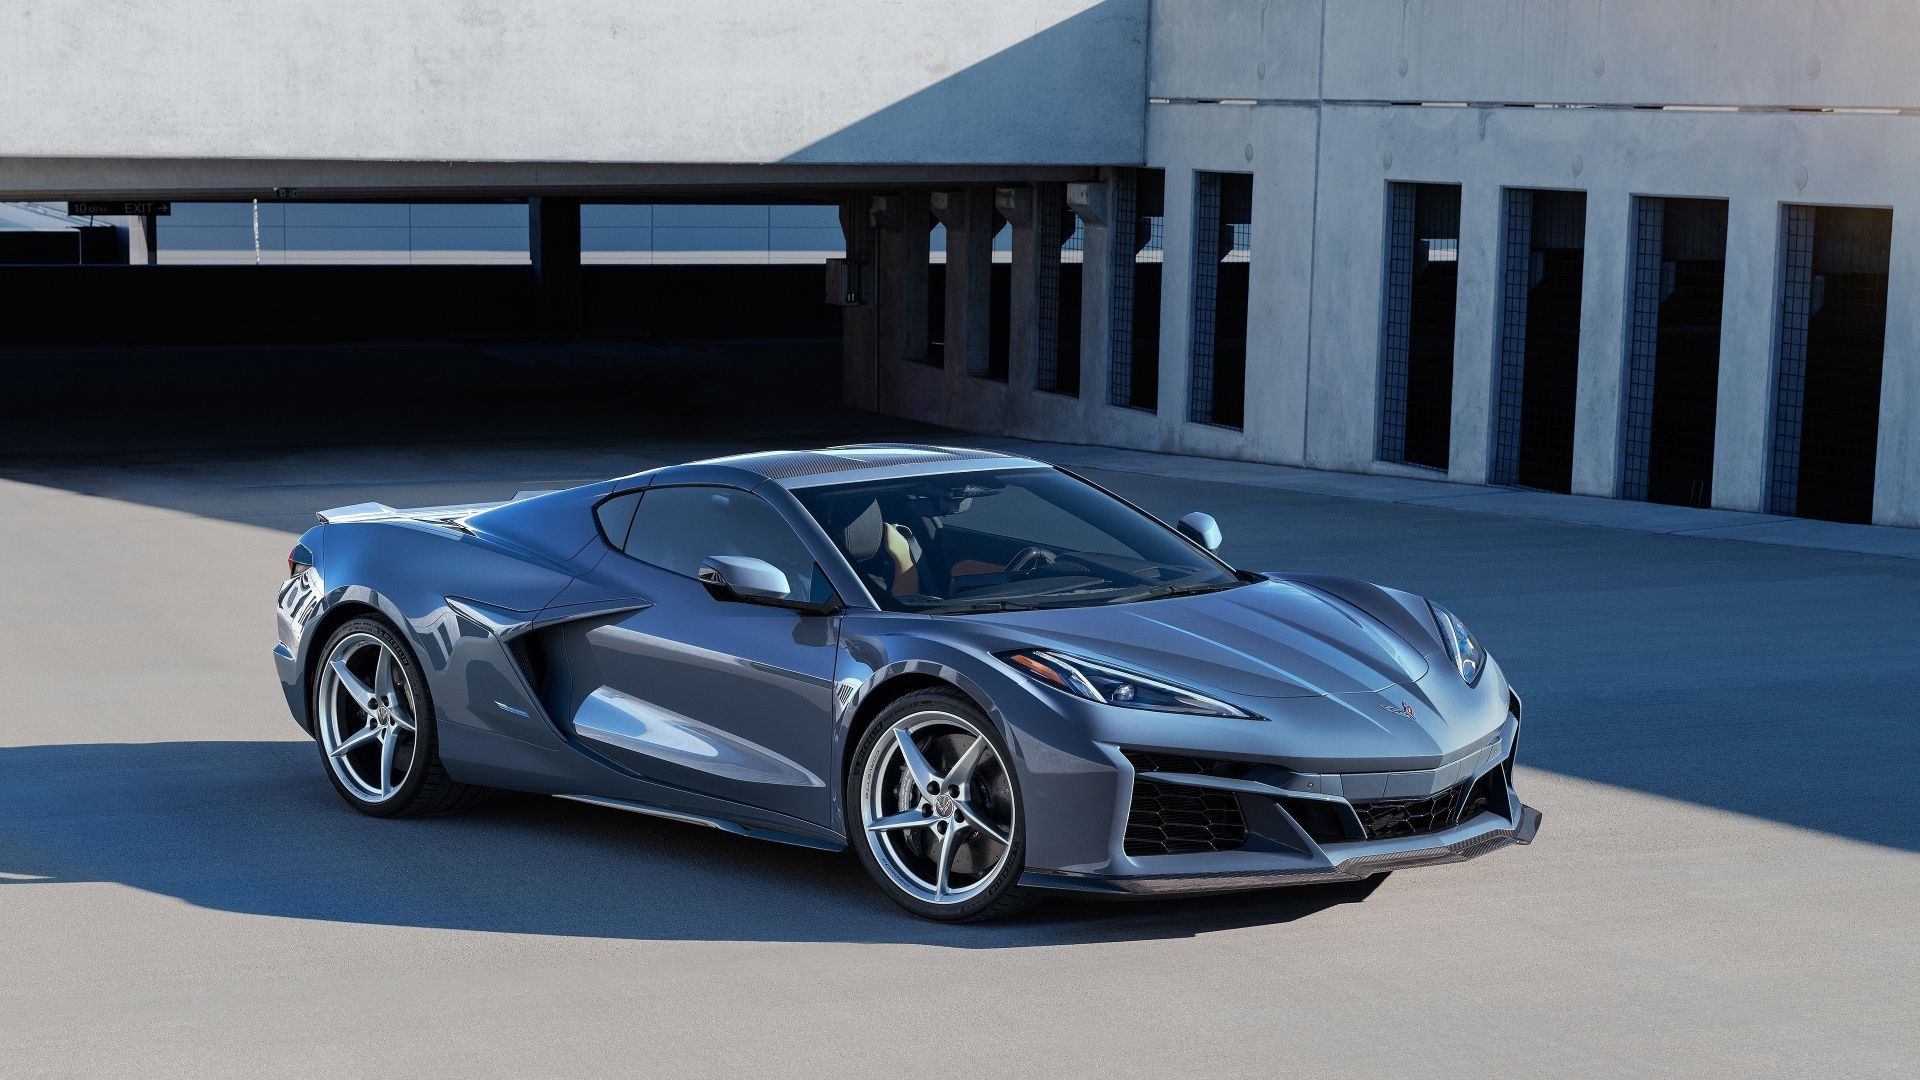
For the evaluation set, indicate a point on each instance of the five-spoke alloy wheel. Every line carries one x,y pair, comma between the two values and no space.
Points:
366,718
935,811
372,715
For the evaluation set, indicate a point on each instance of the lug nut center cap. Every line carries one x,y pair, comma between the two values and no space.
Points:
943,805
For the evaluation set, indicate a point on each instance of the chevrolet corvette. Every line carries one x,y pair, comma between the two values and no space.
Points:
987,676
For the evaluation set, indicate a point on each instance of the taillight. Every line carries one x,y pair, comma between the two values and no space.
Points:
298,560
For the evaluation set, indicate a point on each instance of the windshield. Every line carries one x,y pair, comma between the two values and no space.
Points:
1005,540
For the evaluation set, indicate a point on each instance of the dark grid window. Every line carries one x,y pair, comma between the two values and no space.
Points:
1416,349
1139,199
1673,369
1832,338
1540,338
1222,260
1061,251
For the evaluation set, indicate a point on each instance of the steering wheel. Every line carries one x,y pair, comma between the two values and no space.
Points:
1031,558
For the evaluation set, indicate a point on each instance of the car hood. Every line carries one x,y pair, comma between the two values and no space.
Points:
1273,639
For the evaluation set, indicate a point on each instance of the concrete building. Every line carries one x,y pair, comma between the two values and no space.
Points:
1638,249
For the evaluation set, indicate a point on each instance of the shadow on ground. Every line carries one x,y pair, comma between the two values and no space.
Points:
252,827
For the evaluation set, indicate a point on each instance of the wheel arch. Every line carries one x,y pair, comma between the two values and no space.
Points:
876,701
890,684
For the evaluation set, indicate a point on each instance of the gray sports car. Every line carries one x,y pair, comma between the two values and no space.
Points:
988,676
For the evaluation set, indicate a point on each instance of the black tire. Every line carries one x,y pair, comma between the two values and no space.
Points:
427,790
1003,896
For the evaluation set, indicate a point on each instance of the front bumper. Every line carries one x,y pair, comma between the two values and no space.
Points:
1125,802
1355,862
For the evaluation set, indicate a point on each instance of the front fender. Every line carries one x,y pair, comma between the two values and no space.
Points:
1058,768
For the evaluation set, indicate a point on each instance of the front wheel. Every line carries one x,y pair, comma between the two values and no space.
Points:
934,810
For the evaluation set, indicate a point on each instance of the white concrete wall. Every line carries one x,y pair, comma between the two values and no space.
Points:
1624,52
1241,85
718,81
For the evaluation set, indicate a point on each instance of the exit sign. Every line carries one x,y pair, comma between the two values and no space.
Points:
118,209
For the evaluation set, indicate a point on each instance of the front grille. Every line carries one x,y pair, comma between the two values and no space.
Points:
1174,819
1410,817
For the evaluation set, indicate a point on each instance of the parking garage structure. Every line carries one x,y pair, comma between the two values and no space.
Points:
1441,241
1473,265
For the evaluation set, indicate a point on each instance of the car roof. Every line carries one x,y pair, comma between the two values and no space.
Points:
846,464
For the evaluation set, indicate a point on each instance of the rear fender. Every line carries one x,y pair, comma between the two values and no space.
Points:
405,570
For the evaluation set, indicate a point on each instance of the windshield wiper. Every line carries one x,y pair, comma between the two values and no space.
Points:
1156,592
976,608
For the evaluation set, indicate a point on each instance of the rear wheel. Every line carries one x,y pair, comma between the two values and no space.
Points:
373,716
934,810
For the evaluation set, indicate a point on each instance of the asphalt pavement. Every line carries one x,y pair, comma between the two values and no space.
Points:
1723,736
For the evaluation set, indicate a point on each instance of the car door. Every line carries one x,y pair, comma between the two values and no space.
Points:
716,696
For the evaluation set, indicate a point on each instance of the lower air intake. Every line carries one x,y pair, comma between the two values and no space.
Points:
1173,819
1410,817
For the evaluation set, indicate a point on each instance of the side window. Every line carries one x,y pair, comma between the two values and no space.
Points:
676,528
616,517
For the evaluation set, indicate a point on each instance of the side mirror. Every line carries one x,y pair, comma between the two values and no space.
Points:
1201,529
744,578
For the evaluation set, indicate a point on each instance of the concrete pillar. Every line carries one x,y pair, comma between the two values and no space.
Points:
915,216
553,241
898,297
1023,318
1093,204
1896,474
861,337
1601,387
1749,321
969,217
143,240
1476,330
1176,305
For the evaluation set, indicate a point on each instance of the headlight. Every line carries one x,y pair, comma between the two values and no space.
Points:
1110,685
1465,649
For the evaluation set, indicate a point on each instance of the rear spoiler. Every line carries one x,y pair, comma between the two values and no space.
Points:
373,511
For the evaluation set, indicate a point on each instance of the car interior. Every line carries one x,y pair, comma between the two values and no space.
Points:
922,543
